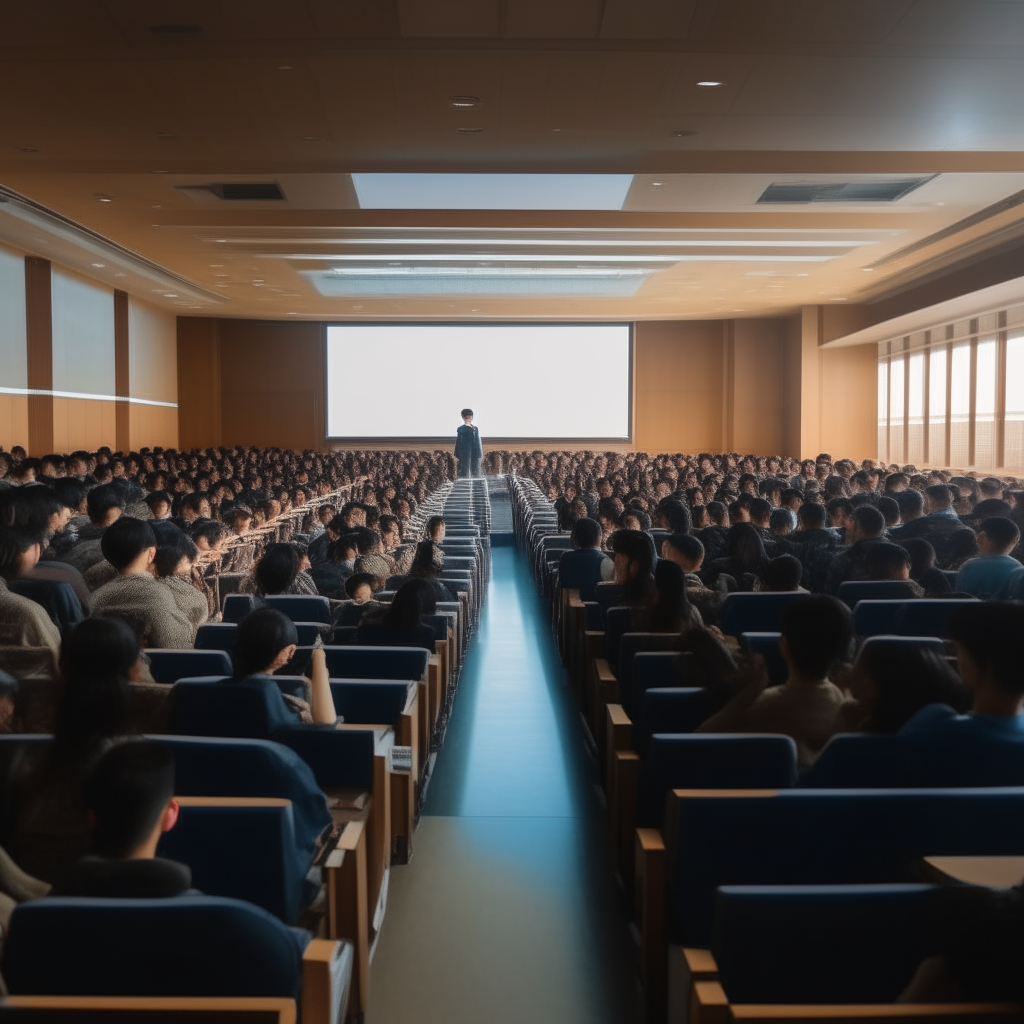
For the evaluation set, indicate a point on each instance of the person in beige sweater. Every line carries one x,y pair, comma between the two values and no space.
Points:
817,636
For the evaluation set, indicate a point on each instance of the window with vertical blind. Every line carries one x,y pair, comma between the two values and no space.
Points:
954,395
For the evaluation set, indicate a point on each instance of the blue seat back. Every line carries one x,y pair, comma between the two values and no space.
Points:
215,766
216,636
669,709
634,697
370,701
245,852
767,645
394,582
811,837
345,636
377,662
307,632
657,668
212,706
168,666
301,607
857,761
349,614
821,944
755,613
702,761
853,591
630,646
928,616
932,643
236,607
191,946
607,594
876,618
617,620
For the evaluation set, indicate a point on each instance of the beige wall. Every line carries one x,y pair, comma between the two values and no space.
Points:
153,375
13,356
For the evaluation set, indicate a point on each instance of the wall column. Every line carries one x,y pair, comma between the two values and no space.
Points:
199,392
39,350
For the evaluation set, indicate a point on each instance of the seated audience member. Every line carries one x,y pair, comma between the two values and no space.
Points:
136,596
674,516
21,549
100,658
839,511
781,574
209,535
988,575
238,520
390,529
130,802
192,507
688,553
279,571
889,684
329,576
668,609
427,564
938,526
962,547
890,510
814,544
865,528
634,559
266,641
29,639
885,561
359,588
922,567
400,623
159,504
331,531
713,536
745,555
817,635
106,505
172,566
586,562
435,529
781,523
324,514
372,558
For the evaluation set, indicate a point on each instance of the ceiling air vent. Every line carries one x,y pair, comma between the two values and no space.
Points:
233,191
841,191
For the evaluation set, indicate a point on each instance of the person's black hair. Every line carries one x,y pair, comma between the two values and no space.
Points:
962,544
760,508
818,631
940,494
432,524
668,606
171,547
356,580
466,412
907,677
1002,532
337,548
102,499
782,518
870,521
843,505
96,658
638,547
883,561
586,533
413,599
992,633
890,510
155,498
782,573
337,525
686,544
385,523
990,508
676,514
424,560
125,540
13,544
208,529
261,637
127,793
366,538
922,556
811,515
745,548
910,503
276,570
70,492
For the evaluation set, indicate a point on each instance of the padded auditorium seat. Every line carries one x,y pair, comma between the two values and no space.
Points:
377,662
301,607
237,606
755,613
853,591
767,645
668,710
216,636
168,666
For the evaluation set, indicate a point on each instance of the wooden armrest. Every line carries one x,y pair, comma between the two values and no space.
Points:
650,841
709,1004
618,736
269,1010
699,964
575,601
603,671
348,904
327,981
883,1013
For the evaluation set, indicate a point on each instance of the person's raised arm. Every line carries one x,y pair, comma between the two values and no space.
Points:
321,701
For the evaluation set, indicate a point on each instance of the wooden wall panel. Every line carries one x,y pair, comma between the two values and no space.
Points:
83,423
14,421
199,420
849,415
152,425
39,351
758,381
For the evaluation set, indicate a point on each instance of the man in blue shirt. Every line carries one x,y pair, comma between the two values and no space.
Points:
988,575
583,568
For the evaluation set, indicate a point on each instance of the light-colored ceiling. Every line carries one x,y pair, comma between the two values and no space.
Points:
132,100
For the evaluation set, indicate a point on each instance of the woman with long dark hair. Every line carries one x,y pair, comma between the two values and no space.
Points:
279,571
400,623
426,565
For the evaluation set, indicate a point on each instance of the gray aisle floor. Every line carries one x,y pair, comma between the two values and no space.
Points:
507,912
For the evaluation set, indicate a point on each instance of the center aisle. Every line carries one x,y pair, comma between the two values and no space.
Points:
507,912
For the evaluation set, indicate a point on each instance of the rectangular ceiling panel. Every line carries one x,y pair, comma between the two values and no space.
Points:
448,19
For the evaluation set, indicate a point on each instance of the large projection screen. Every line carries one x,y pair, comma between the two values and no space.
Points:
551,382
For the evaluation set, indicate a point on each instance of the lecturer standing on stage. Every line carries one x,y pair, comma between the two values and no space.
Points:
468,449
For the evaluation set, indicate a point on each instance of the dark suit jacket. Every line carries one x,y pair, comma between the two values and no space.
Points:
467,444
937,530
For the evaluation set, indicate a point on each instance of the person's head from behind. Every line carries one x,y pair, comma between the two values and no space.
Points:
761,512
997,536
129,545
887,562
668,600
674,515
435,529
344,550
717,513
685,550
105,505
8,702
359,587
130,800
782,574
817,634
890,510
894,679
911,505
865,523
634,560
988,638
467,415
839,511
586,534
811,516
782,522
99,657
265,641
427,560
745,548
159,504
413,599
963,544
276,570
175,553
937,498
922,556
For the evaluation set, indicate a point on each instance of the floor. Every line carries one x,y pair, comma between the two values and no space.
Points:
507,912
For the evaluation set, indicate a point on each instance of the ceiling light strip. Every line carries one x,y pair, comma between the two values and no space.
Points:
87,396
384,259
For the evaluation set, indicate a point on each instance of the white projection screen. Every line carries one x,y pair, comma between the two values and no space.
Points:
523,381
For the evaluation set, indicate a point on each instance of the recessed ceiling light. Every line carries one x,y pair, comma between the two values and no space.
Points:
463,102
175,30
28,149
657,184
120,274
165,135
285,67
682,133
293,314
170,295
868,270
103,198
312,138
216,264
710,85
157,206
160,172
840,298
471,131
938,204
99,264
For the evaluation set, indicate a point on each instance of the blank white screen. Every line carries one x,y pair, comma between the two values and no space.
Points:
528,381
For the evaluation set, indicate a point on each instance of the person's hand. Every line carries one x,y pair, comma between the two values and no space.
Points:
752,676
